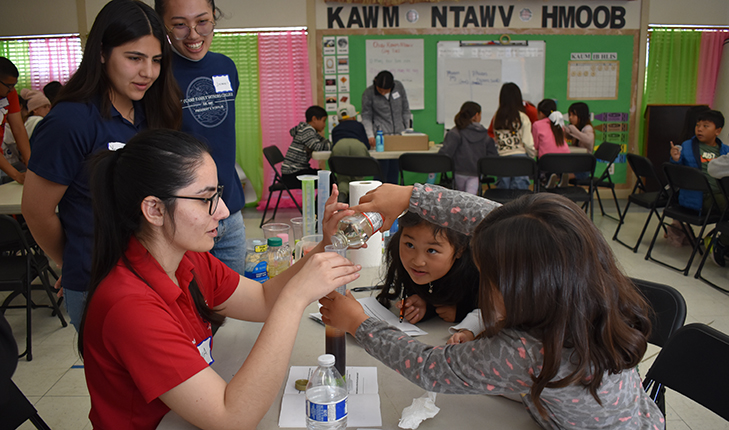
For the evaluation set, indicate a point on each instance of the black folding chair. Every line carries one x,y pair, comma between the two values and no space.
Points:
722,228
571,163
354,166
506,166
428,163
669,314
20,264
693,363
686,178
607,152
274,156
644,171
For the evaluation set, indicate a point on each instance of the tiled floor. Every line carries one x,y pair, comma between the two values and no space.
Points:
54,382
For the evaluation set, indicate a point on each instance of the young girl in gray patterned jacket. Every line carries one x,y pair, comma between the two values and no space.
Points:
564,327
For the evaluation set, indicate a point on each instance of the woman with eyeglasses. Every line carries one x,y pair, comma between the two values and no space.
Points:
123,85
209,83
155,290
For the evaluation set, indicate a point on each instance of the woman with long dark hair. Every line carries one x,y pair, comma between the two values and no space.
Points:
513,132
123,85
155,290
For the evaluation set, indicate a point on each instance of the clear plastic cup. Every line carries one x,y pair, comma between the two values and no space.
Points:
279,229
298,225
306,244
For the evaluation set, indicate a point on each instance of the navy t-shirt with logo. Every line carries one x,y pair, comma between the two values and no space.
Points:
62,145
209,88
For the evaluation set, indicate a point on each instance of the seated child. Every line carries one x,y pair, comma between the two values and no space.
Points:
308,137
466,143
548,134
435,268
565,329
697,152
350,140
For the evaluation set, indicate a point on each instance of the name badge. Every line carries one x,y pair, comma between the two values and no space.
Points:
395,95
113,146
222,84
4,102
206,351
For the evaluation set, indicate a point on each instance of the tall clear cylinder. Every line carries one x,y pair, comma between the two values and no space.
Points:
308,196
336,340
323,193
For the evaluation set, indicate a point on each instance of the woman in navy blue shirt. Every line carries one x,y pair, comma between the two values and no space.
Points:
123,85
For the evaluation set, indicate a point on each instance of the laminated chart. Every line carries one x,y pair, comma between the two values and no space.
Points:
593,80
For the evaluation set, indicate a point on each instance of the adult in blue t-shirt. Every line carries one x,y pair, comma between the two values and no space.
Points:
123,85
209,84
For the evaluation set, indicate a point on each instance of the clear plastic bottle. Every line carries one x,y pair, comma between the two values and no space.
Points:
256,264
278,256
379,141
326,397
355,230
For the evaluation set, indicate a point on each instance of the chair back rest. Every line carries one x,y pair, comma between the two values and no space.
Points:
507,166
643,168
567,163
608,152
11,235
693,362
354,166
426,163
273,155
686,178
669,309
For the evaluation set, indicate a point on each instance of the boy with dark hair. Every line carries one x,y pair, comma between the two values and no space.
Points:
307,137
10,114
697,152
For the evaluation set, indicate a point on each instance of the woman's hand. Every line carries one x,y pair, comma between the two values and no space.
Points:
342,312
414,308
389,200
462,336
321,274
333,212
446,313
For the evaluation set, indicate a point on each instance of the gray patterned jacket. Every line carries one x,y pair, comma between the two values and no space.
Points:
503,364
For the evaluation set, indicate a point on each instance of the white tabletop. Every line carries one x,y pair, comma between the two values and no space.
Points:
234,340
385,155
11,195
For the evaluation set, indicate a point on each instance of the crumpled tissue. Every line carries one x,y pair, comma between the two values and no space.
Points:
422,408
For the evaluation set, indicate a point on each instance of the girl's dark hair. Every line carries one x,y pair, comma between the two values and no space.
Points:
161,5
464,117
690,120
120,22
560,282
448,290
510,104
546,107
582,112
153,163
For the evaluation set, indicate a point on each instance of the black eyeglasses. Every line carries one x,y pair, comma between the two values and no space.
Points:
212,200
8,86
181,31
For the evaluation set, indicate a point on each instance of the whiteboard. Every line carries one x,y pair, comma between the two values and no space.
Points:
472,71
404,59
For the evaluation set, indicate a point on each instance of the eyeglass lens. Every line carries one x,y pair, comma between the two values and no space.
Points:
203,28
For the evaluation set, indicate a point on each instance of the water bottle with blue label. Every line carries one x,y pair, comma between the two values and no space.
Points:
380,141
326,397
256,263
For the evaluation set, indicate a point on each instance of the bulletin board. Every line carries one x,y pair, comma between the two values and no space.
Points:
617,120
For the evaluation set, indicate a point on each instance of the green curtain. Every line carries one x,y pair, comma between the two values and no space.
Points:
17,52
672,71
242,48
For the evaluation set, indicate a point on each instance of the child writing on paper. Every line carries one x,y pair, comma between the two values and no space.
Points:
564,329
434,266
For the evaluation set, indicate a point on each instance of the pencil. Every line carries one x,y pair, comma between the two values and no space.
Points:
402,305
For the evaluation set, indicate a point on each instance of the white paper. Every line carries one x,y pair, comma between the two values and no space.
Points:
363,403
374,309
222,84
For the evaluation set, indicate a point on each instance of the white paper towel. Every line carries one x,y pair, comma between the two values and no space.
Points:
372,255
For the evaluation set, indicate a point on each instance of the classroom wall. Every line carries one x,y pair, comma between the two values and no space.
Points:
60,16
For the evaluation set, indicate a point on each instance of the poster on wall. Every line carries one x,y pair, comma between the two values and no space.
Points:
404,59
330,84
343,45
329,45
343,64
330,65
593,80
343,83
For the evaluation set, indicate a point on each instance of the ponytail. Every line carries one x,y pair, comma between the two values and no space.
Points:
464,117
548,108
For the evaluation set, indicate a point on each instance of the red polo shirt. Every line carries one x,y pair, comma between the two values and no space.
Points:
8,104
140,338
